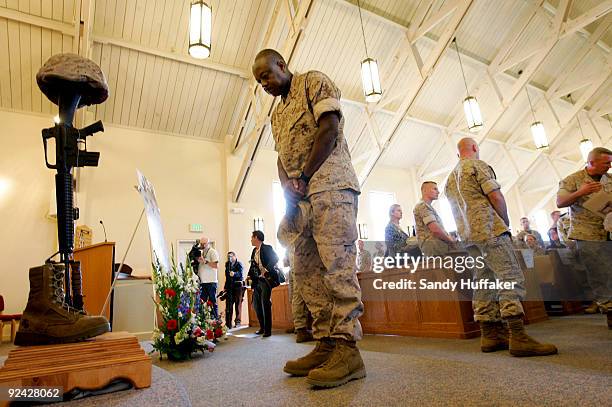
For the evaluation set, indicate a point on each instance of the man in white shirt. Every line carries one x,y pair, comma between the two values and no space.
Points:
207,271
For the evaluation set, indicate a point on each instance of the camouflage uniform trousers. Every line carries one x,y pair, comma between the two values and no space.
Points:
322,231
500,264
299,310
597,257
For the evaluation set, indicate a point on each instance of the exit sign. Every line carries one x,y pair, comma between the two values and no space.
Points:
195,227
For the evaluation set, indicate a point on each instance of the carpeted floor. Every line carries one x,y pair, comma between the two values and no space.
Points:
404,371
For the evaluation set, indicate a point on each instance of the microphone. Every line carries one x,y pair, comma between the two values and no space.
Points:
103,227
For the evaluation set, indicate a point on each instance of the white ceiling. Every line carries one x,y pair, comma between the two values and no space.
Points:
141,46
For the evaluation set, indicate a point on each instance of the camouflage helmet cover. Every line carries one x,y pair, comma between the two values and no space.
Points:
75,74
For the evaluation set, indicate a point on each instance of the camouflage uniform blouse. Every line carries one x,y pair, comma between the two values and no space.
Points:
584,224
467,188
424,214
294,125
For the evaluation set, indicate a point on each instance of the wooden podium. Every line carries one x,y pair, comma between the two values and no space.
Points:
97,269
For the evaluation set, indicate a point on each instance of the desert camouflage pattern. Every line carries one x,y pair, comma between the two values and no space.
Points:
597,257
299,311
364,261
584,224
484,233
500,264
520,237
467,188
424,214
322,231
73,72
294,125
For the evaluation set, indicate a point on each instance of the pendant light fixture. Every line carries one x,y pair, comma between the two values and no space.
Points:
470,104
370,76
586,145
200,29
537,128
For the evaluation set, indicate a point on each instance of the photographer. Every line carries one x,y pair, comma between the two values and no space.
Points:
233,288
264,276
208,262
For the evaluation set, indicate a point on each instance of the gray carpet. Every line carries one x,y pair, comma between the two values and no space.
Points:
404,371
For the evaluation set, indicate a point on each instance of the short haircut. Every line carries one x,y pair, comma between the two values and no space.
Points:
427,182
259,235
228,253
597,151
392,208
524,217
271,54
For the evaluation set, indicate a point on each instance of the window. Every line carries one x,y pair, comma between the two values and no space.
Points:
446,214
379,213
541,223
279,211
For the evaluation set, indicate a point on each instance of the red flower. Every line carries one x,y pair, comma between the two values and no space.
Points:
209,334
171,324
169,292
218,333
197,332
209,303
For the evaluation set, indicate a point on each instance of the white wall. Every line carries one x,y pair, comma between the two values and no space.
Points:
188,176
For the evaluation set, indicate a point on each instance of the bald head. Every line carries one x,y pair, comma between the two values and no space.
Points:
271,72
270,55
203,241
468,148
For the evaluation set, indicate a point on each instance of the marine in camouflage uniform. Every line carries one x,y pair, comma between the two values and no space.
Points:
586,227
320,225
433,239
481,216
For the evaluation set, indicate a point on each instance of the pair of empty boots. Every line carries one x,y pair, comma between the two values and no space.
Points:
47,319
496,336
333,362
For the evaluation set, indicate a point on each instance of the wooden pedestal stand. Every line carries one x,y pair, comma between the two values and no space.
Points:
87,365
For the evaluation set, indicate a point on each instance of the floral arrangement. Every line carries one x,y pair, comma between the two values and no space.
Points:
186,323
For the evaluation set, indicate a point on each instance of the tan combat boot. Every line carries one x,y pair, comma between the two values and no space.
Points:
522,344
303,335
592,308
344,365
493,336
318,356
47,319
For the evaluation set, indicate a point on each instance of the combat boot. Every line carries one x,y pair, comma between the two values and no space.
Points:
592,308
303,335
302,366
345,364
493,336
47,318
522,344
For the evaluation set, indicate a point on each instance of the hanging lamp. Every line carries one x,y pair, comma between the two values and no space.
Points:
470,104
200,29
370,76
586,145
537,128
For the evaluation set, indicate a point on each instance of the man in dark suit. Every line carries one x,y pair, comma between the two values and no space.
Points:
264,276
233,288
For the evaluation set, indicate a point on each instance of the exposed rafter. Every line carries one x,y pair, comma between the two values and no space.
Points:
204,63
429,67
287,49
54,25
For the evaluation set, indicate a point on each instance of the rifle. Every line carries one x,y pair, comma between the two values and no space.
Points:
70,152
